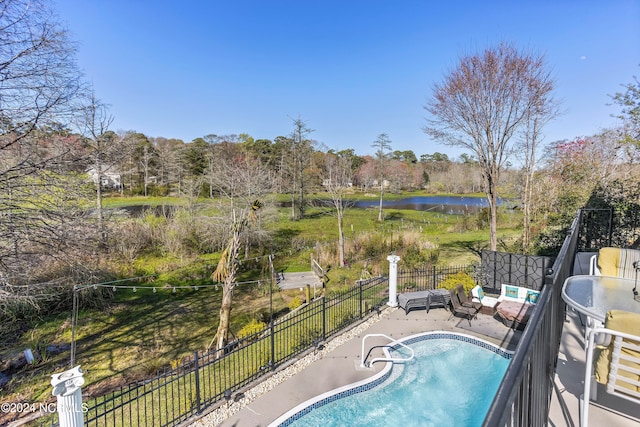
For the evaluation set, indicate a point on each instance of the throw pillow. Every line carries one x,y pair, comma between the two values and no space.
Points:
532,297
511,292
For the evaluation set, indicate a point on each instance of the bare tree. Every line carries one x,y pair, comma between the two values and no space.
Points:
337,181
147,160
382,144
541,112
629,101
39,87
227,268
41,212
295,161
104,148
169,160
365,175
243,183
39,80
482,104
138,160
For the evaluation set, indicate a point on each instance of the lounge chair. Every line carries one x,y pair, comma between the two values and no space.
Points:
458,308
617,363
411,300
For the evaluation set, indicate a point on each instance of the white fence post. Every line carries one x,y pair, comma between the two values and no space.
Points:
393,280
67,389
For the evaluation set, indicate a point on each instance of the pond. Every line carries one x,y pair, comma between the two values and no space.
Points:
459,205
441,204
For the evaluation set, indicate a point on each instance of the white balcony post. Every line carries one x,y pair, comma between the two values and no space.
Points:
67,389
393,280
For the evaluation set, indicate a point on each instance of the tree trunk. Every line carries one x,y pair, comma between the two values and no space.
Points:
381,194
526,212
146,180
99,203
222,336
340,239
492,197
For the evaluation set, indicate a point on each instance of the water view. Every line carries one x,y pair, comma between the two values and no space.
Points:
442,204
458,205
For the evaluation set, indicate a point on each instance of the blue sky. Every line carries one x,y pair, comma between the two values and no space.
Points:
351,69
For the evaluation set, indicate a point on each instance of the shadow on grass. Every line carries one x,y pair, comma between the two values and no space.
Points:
137,337
473,246
393,216
282,237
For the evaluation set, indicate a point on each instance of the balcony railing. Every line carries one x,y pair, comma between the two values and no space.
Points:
524,396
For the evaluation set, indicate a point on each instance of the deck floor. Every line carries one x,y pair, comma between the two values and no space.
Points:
609,411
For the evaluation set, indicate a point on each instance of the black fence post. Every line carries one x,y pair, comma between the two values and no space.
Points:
360,297
324,317
273,344
197,373
435,279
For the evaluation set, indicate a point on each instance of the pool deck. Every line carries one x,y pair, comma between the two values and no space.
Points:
339,365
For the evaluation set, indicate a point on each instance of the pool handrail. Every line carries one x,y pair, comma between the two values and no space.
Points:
384,359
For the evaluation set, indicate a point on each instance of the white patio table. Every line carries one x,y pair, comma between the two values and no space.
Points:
594,296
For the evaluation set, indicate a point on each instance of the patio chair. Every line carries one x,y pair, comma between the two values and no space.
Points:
617,364
458,308
615,262
464,298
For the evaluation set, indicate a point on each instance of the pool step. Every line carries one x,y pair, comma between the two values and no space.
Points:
393,341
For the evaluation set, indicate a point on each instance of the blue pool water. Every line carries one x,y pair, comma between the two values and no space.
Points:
451,382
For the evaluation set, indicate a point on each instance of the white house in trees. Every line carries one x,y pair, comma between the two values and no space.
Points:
109,180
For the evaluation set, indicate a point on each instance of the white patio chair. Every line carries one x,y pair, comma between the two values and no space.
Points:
594,270
617,366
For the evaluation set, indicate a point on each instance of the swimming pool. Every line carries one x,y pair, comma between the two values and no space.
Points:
451,382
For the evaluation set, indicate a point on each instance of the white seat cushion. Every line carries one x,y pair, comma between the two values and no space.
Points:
479,296
489,301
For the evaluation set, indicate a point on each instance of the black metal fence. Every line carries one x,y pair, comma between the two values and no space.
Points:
524,395
618,227
202,381
596,229
429,277
527,271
